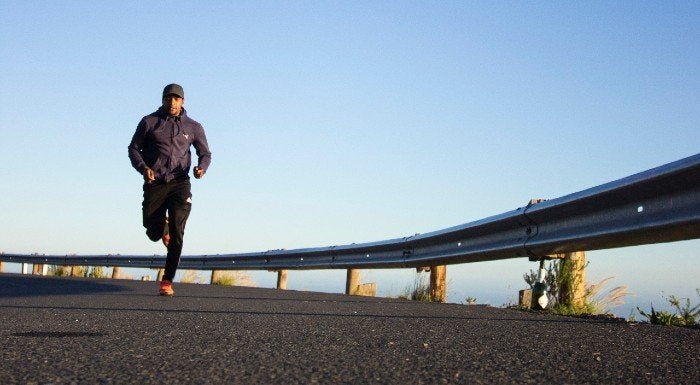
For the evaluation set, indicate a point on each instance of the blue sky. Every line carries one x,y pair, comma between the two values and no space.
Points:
340,122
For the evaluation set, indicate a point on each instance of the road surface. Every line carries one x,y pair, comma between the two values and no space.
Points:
100,331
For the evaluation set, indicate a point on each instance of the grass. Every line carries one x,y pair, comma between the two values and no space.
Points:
595,301
82,271
235,278
560,280
686,315
419,289
191,276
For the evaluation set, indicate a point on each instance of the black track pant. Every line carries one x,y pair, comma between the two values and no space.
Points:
175,198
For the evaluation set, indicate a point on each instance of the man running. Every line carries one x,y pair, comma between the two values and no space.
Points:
160,151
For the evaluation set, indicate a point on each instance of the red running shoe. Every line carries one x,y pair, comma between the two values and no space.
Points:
166,288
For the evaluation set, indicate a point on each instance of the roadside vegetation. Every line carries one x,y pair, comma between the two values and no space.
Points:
560,281
235,278
685,314
81,271
192,276
419,289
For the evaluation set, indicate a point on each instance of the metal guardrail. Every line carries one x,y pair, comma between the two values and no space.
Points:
654,206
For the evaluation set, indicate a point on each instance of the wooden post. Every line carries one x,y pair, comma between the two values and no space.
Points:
573,275
2,266
74,271
115,272
160,275
353,280
438,285
282,279
525,298
215,276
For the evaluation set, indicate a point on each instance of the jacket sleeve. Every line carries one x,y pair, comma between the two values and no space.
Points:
201,146
136,147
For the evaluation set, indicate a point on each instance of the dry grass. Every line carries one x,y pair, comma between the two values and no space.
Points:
596,300
235,278
602,302
192,276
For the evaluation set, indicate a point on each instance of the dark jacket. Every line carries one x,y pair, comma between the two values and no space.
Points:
162,143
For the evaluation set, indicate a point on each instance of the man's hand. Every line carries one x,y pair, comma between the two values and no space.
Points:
148,175
198,172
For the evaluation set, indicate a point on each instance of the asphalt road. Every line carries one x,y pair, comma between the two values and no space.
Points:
90,331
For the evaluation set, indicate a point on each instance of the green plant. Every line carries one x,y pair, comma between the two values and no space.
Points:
686,316
560,277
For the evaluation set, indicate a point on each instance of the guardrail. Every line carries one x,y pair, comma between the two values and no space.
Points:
654,206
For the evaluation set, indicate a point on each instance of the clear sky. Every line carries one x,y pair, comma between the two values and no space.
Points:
339,122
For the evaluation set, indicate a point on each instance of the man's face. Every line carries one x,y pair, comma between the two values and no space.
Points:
173,104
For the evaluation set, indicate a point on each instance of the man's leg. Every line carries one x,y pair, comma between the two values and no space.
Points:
153,208
179,203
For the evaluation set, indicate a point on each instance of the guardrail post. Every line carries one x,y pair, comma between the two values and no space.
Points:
353,280
282,279
2,266
160,275
573,289
438,285
74,271
115,272
214,276
25,268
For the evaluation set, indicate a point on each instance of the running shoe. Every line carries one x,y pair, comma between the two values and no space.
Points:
166,288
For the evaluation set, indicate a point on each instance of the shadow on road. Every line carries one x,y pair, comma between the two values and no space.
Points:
13,285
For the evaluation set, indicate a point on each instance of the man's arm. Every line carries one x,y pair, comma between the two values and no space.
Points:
135,156
201,146
136,146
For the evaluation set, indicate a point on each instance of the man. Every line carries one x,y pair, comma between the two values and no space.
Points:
160,151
